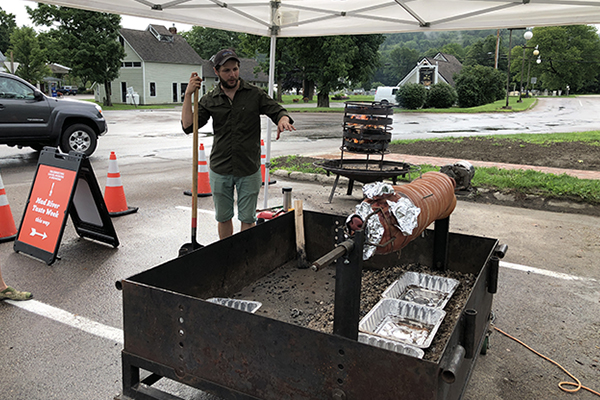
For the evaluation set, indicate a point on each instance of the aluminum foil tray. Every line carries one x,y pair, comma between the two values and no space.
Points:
391,345
424,289
402,321
243,305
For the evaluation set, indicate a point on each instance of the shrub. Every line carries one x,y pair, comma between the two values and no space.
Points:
411,96
477,85
441,95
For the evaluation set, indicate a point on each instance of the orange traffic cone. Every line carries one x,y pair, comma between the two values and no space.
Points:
263,163
114,195
203,177
8,230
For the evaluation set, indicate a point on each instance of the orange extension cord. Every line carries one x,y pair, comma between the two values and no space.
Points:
577,384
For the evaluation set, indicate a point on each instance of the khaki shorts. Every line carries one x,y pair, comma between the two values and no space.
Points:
247,188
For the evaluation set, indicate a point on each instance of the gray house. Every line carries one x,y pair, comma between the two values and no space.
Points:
156,68
432,70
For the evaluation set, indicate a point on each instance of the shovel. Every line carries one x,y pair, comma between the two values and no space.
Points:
189,247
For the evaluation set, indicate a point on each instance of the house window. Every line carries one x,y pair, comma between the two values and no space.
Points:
152,89
175,92
183,88
130,64
124,92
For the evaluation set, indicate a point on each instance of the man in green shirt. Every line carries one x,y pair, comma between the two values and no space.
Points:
235,107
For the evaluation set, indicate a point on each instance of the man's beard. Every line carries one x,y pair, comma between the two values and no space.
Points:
227,85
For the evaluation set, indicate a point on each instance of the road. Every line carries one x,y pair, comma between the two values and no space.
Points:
66,344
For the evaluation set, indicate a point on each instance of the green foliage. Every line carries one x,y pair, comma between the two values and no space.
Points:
483,52
569,56
411,96
208,41
7,26
333,62
401,61
441,95
85,41
477,85
539,183
26,51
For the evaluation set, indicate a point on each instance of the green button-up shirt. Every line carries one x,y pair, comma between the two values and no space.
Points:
236,125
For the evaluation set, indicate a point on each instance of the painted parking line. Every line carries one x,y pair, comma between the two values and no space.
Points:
116,334
545,272
67,318
199,210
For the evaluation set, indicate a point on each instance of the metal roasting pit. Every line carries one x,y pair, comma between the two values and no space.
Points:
171,332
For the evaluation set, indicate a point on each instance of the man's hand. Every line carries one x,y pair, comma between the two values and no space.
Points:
194,83
284,125
187,117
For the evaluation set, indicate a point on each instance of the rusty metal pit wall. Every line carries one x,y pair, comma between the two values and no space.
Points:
172,332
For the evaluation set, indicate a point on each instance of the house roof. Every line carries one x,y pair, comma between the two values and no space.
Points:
59,69
157,44
448,65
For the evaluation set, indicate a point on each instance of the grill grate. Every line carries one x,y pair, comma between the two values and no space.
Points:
367,127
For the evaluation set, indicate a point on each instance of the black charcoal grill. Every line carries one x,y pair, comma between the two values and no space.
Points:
367,130
172,331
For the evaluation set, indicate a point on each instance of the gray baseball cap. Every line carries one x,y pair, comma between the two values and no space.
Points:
223,56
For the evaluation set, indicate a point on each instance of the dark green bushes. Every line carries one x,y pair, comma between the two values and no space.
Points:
441,95
411,96
477,85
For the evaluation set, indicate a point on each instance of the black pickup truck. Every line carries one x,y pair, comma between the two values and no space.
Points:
67,90
30,118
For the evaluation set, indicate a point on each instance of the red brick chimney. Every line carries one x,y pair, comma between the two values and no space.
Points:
173,30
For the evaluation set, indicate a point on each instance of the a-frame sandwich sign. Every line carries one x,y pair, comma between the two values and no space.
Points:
64,184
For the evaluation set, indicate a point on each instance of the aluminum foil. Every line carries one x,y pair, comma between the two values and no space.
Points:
424,289
243,305
391,345
406,214
371,190
373,229
404,322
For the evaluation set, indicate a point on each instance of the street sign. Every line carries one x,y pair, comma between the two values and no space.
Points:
64,184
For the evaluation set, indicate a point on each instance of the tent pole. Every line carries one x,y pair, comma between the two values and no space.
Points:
269,122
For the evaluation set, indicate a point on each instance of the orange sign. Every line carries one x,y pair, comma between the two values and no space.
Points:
45,215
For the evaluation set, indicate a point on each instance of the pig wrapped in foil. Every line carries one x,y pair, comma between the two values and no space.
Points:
394,215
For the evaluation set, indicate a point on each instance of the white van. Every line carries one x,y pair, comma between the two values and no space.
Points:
386,94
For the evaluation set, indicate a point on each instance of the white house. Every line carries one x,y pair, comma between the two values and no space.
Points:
432,70
157,67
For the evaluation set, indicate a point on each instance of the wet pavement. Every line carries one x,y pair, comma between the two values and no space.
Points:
66,343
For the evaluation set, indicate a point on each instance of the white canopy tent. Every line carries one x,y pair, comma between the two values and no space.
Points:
293,18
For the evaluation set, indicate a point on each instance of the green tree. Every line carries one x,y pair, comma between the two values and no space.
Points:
483,52
570,56
88,42
477,85
402,61
208,41
332,62
7,26
26,50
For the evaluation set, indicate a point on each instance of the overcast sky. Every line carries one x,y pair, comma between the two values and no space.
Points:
17,8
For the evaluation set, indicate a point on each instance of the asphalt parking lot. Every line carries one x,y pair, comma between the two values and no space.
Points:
66,343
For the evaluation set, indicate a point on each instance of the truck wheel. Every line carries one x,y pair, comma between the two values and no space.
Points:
80,138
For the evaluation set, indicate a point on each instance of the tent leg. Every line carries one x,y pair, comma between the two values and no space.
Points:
269,122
